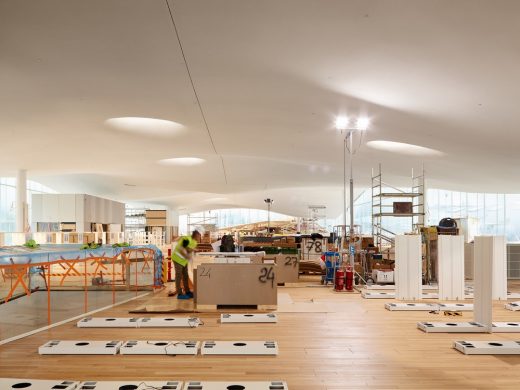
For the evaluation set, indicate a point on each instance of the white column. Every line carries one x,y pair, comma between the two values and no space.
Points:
451,267
21,201
408,267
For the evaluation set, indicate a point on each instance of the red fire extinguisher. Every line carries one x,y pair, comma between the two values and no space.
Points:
349,279
339,280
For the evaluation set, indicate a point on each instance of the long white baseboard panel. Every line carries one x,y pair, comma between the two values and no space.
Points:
513,306
456,306
169,322
37,384
377,295
150,322
378,287
411,306
248,318
146,347
506,327
501,347
80,347
275,385
107,322
239,348
451,327
131,385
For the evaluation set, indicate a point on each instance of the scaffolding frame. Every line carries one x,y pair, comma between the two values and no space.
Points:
382,235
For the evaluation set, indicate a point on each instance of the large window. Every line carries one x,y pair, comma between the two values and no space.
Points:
8,199
490,214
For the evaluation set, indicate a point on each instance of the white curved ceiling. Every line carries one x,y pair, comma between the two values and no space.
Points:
271,76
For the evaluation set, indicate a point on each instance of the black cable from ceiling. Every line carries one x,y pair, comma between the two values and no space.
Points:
194,89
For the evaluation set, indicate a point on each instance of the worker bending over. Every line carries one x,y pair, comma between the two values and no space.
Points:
181,255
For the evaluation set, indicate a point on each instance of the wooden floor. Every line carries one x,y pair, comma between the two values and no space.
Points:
359,346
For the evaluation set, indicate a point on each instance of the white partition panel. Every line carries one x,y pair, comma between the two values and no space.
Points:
451,267
408,267
483,293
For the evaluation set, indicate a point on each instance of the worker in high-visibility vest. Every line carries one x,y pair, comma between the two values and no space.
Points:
181,255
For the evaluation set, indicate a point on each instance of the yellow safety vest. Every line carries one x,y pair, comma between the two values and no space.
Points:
177,256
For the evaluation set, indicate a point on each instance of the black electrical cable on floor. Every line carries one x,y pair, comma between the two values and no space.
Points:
194,89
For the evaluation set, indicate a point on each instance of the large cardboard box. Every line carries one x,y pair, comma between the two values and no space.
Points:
403,208
287,267
235,284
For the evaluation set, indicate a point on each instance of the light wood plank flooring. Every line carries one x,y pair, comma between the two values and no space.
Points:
359,346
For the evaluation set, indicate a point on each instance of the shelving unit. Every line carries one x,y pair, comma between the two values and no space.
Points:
382,207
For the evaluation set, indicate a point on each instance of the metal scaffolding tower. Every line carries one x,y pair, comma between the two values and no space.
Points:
383,196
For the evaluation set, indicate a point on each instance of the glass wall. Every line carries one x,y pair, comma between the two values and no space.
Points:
8,199
489,214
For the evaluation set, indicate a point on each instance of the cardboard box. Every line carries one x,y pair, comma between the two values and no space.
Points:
403,208
235,284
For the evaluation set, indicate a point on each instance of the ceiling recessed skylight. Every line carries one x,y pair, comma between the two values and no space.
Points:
403,148
182,161
145,126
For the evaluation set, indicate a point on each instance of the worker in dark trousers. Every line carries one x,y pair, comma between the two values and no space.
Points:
180,257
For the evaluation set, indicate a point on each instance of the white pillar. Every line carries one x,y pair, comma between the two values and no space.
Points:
483,292
408,267
451,267
21,201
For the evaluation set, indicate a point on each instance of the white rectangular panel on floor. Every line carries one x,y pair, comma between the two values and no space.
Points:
483,301
238,385
248,318
108,322
169,322
159,347
80,347
37,384
451,327
456,306
392,287
408,267
239,348
451,267
377,295
506,327
430,296
513,295
513,306
411,306
500,347
131,385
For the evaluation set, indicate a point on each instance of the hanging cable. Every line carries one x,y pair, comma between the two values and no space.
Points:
194,89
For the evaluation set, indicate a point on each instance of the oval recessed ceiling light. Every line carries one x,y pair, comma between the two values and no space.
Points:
403,148
145,126
182,161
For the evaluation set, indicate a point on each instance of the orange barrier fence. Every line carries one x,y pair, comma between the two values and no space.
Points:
125,270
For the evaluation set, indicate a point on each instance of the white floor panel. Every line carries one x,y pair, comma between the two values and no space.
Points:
513,306
248,318
451,327
456,306
37,384
159,347
108,322
80,347
513,295
135,385
501,347
392,287
506,327
169,322
411,306
239,348
275,385
377,295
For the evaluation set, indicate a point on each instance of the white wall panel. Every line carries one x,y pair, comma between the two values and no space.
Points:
408,267
451,267
483,269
